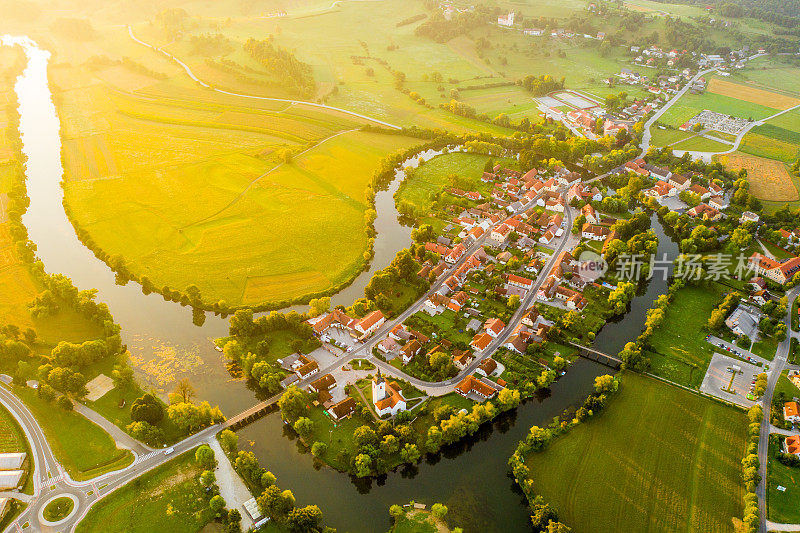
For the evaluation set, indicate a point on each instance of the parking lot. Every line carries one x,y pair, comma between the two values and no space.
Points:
718,379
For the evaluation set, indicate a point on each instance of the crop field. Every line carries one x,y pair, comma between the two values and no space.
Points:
762,146
205,191
769,179
771,73
657,459
751,94
11,437
512,100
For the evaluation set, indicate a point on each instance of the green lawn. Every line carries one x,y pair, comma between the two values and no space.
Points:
782,506
701,144
82,447
679,350
786,387
766,348
432,177
658,458
415,522
168,498
338,436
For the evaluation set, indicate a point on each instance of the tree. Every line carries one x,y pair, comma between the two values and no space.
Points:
185,390
268,479
365,436
438,511
304,426
228,440
208,478
304,519
605,383
410,453
396,511
293,404
205,457
64,403
363,465
216,504
147,409
122,376
318,449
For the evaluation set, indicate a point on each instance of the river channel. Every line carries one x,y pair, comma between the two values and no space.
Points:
471,477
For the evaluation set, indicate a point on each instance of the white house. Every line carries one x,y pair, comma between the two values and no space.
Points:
387,397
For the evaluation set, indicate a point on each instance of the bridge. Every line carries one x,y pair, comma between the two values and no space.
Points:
598,357
249,416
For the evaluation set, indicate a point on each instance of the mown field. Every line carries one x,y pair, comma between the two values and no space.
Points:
200,192
691,104
168,498
678,350
11,437
657,459
783,507
83,448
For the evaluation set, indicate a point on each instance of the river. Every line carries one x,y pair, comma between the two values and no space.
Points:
470,477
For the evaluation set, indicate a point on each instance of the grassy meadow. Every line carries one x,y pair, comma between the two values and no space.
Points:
662,458
782,506
679,351
83,448
168,498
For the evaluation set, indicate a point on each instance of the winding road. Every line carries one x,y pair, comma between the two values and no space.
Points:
50,480
192,75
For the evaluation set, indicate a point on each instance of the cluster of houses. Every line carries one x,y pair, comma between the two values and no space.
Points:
654,55
564,283
508,20
668,185
778,271
339,320
586,119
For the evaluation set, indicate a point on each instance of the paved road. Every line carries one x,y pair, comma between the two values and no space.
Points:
778,364
51,480
265,98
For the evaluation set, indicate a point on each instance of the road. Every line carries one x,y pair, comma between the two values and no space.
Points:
192,75
51,480
778,365
646,136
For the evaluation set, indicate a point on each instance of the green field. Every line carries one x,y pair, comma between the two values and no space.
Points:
679,351
657,459
12,439
691,104
762,146
84,449
431,178
782,506
168,498
701,144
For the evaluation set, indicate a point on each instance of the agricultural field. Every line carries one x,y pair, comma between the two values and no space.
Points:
691,104
168,498
770,180
771,73
662,458
751,94
209,189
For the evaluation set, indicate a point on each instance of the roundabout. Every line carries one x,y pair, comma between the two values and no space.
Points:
58,509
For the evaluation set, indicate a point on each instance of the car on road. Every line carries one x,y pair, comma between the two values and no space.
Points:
169,450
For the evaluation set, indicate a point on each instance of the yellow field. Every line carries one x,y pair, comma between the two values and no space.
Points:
196,191
751,94
769,179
